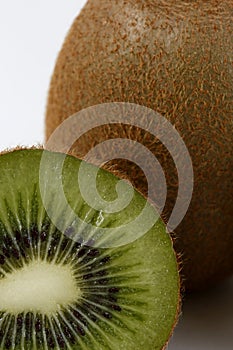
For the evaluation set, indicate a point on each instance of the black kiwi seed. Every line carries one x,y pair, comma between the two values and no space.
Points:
91,316
74,320
19,320
93,253
83,251
60,340
29,326
15,253
33,233
64,243
38,323
104,260
80,330
49,334
2,259
88,276
1,334
26,241
6,251
8,343
43,236
100,273
79,318
116,307
38,329
107,315
18,236
68,333
8,335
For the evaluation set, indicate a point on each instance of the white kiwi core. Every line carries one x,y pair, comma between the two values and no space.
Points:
38,287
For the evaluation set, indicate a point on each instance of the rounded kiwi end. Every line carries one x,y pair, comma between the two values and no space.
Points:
38,287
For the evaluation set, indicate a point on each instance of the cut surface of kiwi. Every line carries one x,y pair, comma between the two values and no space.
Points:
68,280
176,58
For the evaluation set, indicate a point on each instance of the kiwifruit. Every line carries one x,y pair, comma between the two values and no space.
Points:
74,276
175,57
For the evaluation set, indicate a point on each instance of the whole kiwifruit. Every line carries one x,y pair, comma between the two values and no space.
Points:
75,276
175,57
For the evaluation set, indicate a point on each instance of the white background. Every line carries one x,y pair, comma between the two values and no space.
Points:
31,34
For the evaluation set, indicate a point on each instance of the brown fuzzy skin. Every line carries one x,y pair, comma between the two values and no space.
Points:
175,57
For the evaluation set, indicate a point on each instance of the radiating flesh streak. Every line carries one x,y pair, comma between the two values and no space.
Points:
38,287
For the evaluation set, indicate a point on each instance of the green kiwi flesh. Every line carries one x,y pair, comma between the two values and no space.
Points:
61,286
175,57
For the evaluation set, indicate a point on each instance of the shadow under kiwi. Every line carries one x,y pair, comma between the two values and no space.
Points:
206,322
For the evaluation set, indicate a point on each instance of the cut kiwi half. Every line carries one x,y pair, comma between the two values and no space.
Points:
75,275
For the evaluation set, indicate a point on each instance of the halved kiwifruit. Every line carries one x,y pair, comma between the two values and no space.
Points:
85,261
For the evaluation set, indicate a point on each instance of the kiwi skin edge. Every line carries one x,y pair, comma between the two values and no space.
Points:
104,61
40,148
